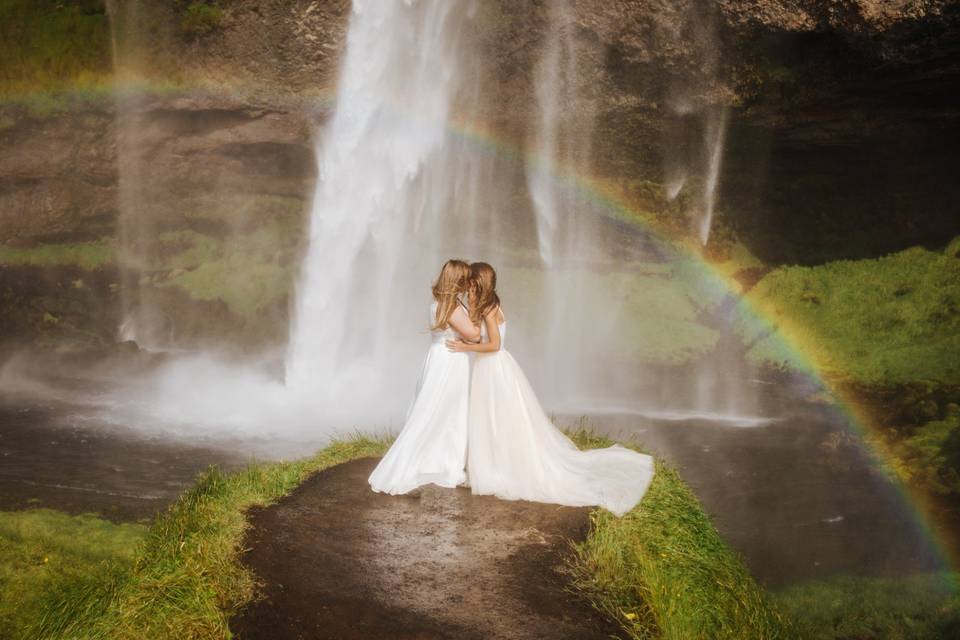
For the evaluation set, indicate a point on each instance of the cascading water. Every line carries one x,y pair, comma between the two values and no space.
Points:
142,318
384,213
399,191
131,235
386,135
565,222
693,164
714,135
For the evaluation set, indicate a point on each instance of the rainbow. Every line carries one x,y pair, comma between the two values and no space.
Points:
798,347
793,342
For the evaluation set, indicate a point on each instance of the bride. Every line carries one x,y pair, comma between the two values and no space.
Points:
432,445
514,451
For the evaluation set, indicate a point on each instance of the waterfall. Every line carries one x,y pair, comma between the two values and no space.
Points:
402,186
383,217
141,319
694,164
565,235
715,132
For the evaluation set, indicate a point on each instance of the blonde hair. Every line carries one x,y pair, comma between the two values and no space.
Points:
483,279
452,281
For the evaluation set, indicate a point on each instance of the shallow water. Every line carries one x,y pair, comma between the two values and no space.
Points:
797,495
52,455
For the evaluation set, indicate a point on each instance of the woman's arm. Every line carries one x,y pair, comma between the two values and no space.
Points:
493,331
460,322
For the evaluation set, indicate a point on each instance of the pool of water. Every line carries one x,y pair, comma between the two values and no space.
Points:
796,494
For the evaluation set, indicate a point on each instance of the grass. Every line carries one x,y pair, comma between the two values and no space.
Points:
928,457
914,607
49,46
88,255
884,321
186,580
42,548
663,571
889,325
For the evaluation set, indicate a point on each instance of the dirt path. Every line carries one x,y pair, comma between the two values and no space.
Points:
340,561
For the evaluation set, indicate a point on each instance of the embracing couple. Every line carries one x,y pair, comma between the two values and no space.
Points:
477,422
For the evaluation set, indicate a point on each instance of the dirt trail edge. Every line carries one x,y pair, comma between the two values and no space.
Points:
339,561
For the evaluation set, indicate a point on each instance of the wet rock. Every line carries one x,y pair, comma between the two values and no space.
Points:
858,94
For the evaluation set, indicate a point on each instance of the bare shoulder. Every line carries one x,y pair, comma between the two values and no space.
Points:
498,316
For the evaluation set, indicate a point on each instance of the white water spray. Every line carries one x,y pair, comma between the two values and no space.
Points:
716,128
398,192
384,210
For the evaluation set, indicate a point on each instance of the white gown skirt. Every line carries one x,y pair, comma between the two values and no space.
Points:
431,447
516,453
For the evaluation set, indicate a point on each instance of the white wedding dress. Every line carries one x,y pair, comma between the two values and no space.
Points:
431,447
516,453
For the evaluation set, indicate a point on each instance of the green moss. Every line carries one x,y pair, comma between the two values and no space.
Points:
913,607
50,45
187,249
953,249
200,18
663,571
88,255
737,257
930,456
244,271
889,320
658,320
42,548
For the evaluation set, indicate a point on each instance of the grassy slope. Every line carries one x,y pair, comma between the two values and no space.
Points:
42,548
891,324
914,607
664,572
186,580
889,320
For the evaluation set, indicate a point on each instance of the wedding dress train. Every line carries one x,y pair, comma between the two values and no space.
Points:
516,453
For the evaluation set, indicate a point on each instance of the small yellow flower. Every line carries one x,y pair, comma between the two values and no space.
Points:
630,616
45,559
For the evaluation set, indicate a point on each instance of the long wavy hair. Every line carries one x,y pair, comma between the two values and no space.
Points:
483,280
452,281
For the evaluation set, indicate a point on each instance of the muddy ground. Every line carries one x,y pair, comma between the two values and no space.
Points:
337,560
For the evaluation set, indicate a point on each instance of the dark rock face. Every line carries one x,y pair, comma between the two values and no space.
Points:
56,307
842,122
138,175
844,144
58,178
262,48
842,129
